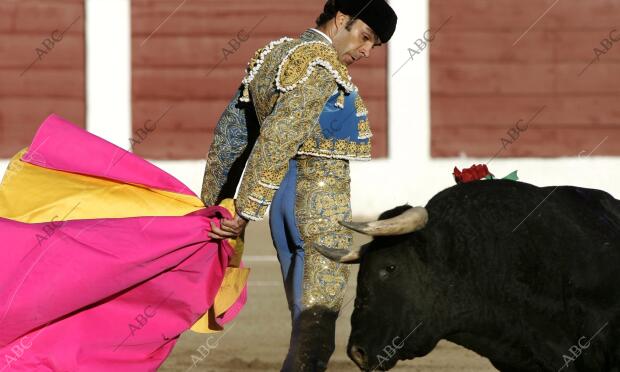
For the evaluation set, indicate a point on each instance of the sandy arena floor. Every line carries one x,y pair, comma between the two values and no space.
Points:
258,339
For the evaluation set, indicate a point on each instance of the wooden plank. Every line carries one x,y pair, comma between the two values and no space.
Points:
7,15
67,83
517,78
519,16
183,115
505,15
21,116
163,8
588,15
482,85
492,78
175,145
36,85
176,84
31,111
578,46
43,16
600,77
538,47
536,142
483,47
503,112
226,24
19,51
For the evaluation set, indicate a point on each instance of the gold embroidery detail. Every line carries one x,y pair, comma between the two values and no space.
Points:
336,149
254,216
325,146
273,176
245,97
341,147
255,64
363,129
250,209
360,107
269,186
262,195
301,60
340,100
323,199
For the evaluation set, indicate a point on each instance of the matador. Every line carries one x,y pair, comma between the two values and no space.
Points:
284,143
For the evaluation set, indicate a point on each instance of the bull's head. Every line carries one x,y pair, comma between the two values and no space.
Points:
392,276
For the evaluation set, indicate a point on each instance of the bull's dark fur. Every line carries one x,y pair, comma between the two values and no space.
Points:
526,299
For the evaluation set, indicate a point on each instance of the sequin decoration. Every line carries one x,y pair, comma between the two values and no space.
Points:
323,199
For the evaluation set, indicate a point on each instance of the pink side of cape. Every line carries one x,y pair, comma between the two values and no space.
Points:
61,145
108,294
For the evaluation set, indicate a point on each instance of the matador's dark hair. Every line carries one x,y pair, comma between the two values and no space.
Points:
329,13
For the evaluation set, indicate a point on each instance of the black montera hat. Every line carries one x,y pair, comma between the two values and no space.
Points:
377,14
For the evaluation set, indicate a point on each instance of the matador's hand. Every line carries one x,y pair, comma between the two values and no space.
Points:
230,229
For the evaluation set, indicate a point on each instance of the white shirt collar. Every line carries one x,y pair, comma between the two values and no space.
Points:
322,33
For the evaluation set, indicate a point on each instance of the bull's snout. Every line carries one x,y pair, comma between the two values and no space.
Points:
359,356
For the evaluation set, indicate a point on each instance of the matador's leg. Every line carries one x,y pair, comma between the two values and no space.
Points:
287,239
289,246
322,200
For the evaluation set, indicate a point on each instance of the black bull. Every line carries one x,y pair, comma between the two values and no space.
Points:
526,276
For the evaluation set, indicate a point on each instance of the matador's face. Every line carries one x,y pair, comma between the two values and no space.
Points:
354,41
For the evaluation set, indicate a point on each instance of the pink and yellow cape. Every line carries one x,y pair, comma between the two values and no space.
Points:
105,258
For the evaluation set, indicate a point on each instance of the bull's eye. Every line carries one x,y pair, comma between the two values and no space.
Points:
385,273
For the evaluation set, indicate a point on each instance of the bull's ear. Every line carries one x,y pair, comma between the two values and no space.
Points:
340,255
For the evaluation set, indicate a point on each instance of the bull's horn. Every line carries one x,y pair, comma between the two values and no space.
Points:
339,255
411,220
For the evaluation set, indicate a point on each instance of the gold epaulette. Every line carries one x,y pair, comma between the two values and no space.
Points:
256,63
301,60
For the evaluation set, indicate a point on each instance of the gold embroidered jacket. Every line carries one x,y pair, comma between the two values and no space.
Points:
297,99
